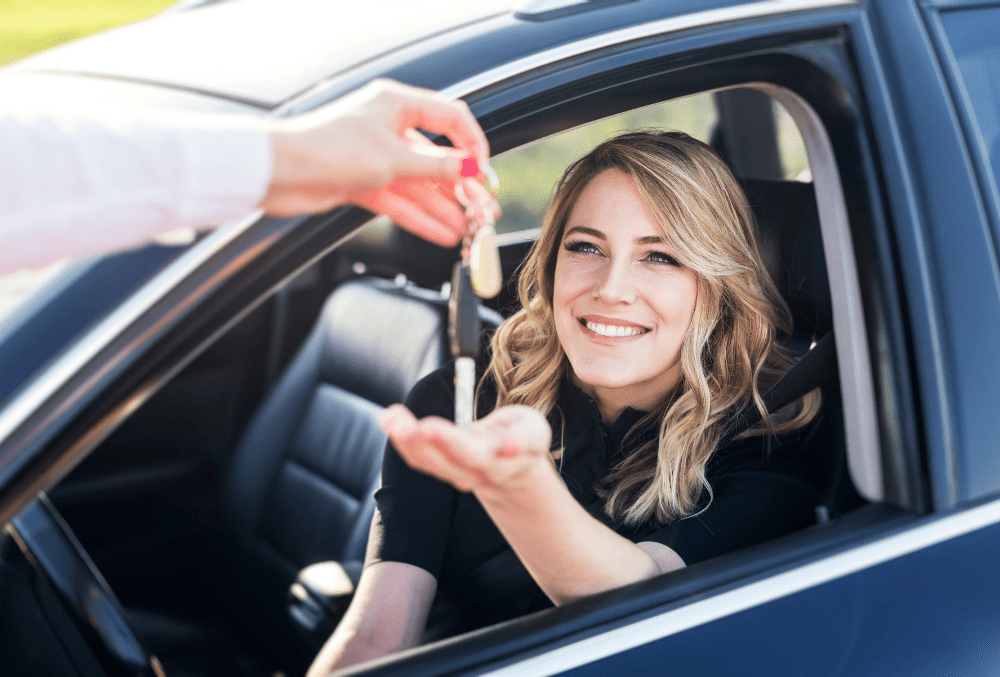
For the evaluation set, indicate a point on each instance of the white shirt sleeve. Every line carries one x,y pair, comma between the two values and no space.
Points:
72,185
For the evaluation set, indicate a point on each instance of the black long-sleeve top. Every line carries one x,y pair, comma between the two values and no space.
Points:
758,492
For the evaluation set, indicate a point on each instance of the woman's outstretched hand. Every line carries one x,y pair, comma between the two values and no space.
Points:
499,452
504,460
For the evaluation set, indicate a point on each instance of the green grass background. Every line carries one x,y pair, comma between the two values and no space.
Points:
29,26
528,175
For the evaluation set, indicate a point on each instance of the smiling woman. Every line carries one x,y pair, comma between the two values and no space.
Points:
648,326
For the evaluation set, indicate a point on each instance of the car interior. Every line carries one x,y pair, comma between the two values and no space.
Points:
230,513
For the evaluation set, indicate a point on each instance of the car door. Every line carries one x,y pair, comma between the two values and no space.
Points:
905,585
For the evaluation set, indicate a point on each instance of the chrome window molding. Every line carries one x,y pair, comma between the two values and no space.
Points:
742,597
663,26
518,236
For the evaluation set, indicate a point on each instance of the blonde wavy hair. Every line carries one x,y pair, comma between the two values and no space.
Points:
729,355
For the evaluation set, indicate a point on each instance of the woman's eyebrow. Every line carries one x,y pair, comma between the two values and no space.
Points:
586,231
647,239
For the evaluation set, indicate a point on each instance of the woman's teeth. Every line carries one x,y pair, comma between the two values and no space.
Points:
614,330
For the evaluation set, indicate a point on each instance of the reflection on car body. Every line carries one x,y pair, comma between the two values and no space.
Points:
144,421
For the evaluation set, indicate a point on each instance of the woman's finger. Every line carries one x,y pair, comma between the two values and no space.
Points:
429,444
521,429
428,452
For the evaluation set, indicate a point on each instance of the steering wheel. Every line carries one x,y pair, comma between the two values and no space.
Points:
55,553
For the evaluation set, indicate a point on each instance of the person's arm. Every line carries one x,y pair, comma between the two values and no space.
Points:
568,552
78,183
388,614
503,460
406,549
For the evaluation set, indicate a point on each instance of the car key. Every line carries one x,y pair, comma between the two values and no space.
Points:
476,275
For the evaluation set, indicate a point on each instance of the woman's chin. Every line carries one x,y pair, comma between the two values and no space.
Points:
604,380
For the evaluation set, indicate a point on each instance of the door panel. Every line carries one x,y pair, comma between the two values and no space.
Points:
932,613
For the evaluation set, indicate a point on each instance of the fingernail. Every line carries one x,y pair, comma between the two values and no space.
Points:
470,167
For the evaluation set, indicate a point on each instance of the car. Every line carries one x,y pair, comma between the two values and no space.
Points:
152,527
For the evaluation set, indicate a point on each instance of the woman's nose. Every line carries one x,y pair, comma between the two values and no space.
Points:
616,283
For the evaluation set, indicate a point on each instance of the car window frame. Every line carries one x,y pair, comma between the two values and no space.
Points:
976,469
214,279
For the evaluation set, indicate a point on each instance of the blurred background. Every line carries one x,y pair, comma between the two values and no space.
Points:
528,175
29,26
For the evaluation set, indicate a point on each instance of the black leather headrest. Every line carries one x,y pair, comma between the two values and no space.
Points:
791,245
386,250
380,340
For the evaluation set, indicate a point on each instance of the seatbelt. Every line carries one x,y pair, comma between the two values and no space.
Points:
816,368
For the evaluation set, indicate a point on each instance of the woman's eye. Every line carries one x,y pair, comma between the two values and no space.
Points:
580,247
664,258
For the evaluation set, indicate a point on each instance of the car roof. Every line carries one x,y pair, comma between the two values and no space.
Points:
259,52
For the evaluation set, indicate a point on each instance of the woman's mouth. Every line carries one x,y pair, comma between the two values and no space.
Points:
613,330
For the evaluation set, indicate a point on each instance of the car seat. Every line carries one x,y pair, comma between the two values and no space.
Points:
299,485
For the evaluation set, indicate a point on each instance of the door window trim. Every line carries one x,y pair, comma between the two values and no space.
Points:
853,357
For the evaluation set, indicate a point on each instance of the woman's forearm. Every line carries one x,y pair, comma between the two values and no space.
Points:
387,614
568,552
504,460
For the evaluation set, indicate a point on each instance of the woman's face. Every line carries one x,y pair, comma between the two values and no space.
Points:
622,303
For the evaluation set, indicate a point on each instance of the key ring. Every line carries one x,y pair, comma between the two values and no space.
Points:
471,169
479,247
477,212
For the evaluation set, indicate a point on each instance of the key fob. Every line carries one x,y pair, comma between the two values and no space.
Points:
463,314
484,263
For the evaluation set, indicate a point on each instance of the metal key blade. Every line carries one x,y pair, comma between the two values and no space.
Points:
477,274
463,333
465,386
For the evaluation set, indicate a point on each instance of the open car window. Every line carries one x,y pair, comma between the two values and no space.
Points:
811,146
762,142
